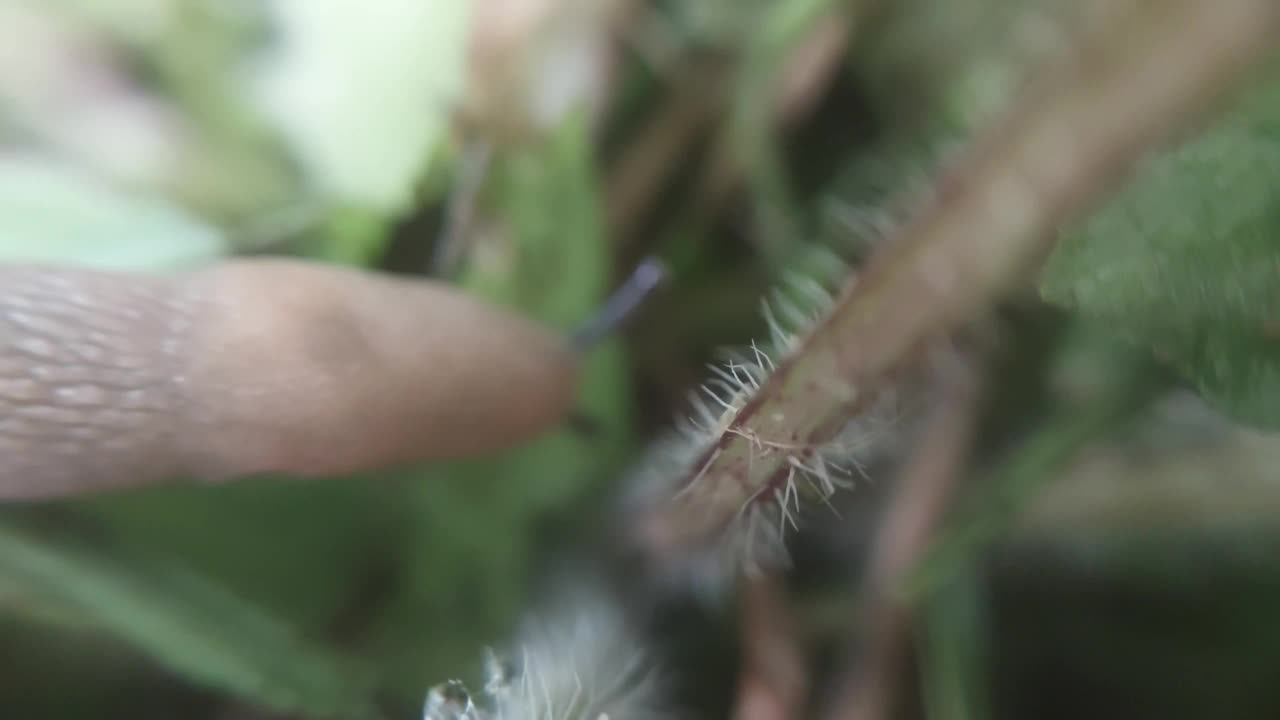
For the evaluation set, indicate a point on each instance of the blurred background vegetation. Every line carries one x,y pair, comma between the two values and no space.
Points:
1113,556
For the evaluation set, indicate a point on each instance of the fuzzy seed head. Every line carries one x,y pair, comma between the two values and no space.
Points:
583,663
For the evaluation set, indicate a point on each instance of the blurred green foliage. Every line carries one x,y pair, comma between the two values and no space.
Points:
194,626
205,128
58,214
320,597
1186,261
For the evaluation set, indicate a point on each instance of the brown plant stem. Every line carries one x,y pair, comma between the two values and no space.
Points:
814,62
808,72
636,180
1075,134
774,681
696,102
921,496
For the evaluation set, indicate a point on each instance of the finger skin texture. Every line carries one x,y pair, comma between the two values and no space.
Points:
252,366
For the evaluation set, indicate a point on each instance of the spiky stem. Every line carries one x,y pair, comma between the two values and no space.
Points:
1072,137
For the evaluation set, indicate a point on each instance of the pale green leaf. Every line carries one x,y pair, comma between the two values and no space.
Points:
53,213
361,91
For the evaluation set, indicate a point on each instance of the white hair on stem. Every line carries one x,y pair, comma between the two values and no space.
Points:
756,499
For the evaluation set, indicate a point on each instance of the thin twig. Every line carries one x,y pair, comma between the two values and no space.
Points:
805,73
1019,478
773,683
460,209
920,499
815,61
811,68
669,134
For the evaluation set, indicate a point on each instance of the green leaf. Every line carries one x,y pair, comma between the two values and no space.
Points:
953,649
1186,261
351,236
54,213
190,624
260,539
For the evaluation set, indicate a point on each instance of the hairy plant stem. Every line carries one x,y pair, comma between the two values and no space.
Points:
1075,134
773,682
